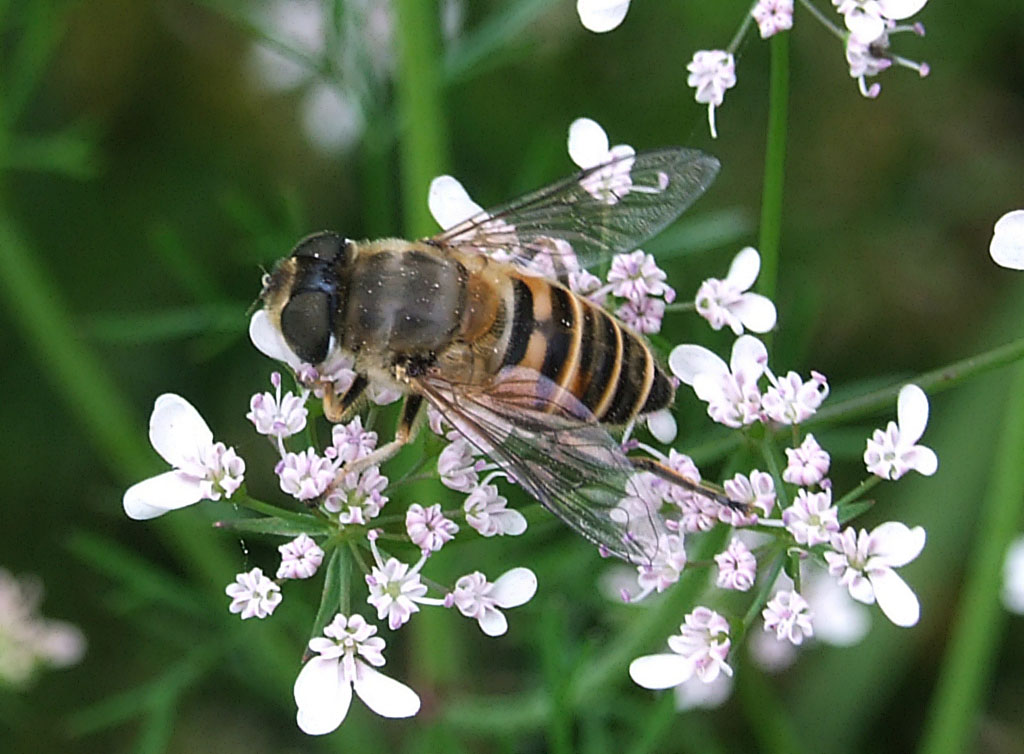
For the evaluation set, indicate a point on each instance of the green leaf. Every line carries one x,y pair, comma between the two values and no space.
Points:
334,597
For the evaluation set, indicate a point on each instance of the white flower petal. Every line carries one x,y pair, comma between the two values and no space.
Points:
687,361
165,492
756,312
493,622
662,424
601,15
512,521
177,431
900,9
896,543
923,460
860,590
269,340
588,143
1007,246
660,671
332,120
895,598
865,27
749,357
449,202
744,268
911,414
514,588
708,387
385,696
322,696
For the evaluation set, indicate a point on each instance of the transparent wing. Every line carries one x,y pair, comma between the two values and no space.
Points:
554,448
586,218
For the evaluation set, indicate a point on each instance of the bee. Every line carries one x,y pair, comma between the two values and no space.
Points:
480,323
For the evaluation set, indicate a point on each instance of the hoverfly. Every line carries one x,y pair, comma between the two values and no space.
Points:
529,372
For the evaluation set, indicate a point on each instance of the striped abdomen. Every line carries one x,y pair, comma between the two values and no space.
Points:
578,345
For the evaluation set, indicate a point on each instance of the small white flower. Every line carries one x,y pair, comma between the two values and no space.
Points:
868,58
253,595
730,391
755,491
350,442
359,497
812,519
347,660
665,568
477,598
300,558
773,16
712,72
278,415
730,302
589,148
459,466
486,512
700,650
202,469
395,588
1013,577
305,475
808,464
737,567
636,276
1007,246
868,19
789,616
790,400
893,452
428,528
865,565
601,15
644,315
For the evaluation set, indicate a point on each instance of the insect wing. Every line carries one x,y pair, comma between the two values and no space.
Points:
553,447
586,218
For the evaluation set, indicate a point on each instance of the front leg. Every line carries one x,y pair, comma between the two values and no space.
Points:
404,434
337,406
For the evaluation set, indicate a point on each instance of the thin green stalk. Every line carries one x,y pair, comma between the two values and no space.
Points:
774,166
934,381
420,109
968,665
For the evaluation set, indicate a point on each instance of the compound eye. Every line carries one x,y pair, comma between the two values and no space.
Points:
306,325
326,246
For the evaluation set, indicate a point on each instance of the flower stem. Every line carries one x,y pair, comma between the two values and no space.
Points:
774,166
420,112
968,665
931,382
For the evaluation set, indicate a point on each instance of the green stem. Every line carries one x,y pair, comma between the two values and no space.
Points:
934,381
774,166
967,669
420,109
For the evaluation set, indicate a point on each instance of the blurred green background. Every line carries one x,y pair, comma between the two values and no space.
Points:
149,176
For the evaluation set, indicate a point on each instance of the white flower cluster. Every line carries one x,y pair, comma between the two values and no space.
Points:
348,502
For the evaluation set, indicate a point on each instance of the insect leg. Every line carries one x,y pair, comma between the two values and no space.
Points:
671,476
404,434
336,406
